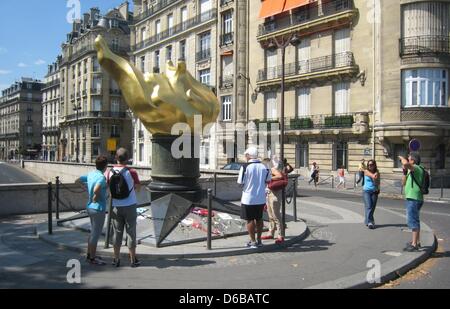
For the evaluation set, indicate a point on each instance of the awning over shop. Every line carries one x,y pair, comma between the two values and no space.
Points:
292,4
271,8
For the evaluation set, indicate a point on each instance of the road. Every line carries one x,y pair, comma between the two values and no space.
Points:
10,174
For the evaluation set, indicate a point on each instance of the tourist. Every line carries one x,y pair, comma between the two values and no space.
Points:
371,190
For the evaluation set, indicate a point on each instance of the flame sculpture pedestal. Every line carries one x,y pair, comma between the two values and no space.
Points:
174,188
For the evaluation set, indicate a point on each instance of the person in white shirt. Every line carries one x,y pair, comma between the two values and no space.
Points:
254,177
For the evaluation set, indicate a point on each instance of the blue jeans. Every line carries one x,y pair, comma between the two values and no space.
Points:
412,214
370,202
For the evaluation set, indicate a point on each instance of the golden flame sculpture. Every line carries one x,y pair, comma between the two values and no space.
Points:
160,100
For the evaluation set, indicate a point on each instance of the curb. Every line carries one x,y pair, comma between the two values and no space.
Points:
41,232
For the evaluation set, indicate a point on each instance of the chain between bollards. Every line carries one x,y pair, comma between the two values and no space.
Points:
209,232
50,210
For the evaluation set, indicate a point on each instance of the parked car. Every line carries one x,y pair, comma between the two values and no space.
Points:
235,166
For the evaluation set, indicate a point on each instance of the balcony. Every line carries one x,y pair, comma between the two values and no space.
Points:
51,84
225,2
178,28
48,130
308,17
203,55
425,45
160,5
227,81
226,39
350,123
115,91
337,64
85,115
426,114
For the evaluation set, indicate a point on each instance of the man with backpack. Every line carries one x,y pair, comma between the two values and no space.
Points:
416,183
123,184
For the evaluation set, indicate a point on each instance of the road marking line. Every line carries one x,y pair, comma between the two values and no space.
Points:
346,216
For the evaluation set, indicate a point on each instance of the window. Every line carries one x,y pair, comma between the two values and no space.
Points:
170,23
115,131
115,105
157,28
115,44
205,76
205,8
228,22
114,23
141,152
95,65
425,87
304,102
204,153
184,17
143,64
95,150
96,84
440,157
341,98
429,18
96,130
304,55
156,59
340,155
183,50
271,63
399,150
169,53
301,155
226,108
96,105
227,67
271,105
205,41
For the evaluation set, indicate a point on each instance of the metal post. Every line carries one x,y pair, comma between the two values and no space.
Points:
295,198
208,239
442,187
50,223
283,201
215,184
354,182
57,198
332,182
108,224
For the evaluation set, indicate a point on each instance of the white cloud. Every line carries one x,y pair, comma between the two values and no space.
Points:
4,72
40,62
3,50
22,65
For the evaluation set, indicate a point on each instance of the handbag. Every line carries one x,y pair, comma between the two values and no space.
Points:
275,185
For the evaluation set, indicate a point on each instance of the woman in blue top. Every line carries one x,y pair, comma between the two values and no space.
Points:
96,206
371,190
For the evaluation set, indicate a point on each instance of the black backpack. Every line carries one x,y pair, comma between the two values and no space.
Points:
118,185
425,186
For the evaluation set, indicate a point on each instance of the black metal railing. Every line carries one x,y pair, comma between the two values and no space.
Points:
203,55
309,122
115,91
308,66
178,28
153,10
50,129
96,91
225,2
426,44
90,48
306,14
52,83
82,115
227,39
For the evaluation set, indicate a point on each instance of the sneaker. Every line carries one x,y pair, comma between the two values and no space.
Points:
96,261
371,226
419,245
252,245
259,244
267,237
136,263
411,248
116,263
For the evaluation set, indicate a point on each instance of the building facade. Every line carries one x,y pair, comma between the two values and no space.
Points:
356,84
50,113
21,120
173,30
93,115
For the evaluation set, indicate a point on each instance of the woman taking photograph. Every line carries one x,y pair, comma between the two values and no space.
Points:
371,190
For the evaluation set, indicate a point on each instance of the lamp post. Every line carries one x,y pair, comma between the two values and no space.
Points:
283,42
76,108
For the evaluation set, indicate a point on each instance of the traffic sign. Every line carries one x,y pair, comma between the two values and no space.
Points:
414,145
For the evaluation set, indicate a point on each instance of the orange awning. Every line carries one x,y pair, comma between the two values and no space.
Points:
271,8
292,4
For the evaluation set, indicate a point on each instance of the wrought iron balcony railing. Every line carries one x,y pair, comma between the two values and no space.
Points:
309,122
83,115
423,45
227,81
153,10
203,55
307,14
178,28
308,66
227,39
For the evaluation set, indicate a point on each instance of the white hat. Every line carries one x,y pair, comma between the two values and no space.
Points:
252,152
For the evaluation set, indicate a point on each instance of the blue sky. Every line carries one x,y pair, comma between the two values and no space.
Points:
31,34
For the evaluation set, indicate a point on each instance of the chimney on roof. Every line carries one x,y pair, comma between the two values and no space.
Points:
86,20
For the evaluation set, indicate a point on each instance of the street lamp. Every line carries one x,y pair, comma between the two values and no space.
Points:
76,108
275,43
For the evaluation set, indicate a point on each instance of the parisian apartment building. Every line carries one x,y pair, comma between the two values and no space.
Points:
50,113
174,30
21,120
362,79
93,116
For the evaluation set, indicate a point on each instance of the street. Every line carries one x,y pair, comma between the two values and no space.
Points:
11,174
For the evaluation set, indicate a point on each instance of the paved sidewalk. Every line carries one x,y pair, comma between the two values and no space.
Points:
339,252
